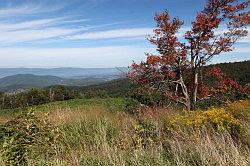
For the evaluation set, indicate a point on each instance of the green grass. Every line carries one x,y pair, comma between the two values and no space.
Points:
107,104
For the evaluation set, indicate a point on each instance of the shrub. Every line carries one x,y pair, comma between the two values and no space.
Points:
146,134
148,97
217,118
23,135
132,106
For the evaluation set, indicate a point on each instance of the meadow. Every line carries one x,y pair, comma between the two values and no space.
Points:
104,132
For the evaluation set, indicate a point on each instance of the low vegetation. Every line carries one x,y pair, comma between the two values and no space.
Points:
104,132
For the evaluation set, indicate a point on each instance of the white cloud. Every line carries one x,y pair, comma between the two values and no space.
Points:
31,8
40,29
121,33
27,9
12,37
13,29
33,24
245,39
240,50
112,34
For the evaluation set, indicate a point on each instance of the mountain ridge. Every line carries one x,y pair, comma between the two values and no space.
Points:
27,81
64,72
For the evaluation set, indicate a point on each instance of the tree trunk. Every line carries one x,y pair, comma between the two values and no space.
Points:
185,94
194,90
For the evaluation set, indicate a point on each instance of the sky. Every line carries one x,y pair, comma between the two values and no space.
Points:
89,33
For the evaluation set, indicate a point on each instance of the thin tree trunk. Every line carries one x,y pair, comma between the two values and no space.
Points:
185,93
194,91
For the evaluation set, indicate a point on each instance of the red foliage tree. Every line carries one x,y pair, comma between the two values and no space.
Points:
176,70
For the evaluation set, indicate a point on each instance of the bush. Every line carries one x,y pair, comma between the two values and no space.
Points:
132,106
21,136
148,97
146,134
217,118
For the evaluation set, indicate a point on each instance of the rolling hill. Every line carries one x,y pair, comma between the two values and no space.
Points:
27,81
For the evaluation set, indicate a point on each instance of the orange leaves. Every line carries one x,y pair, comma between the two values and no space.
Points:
243,18
183,53
235,8
202,38
227,84
164,23
153,60
215,72
135,66
164,16
223,83
224,44
229,9
204,91
171,74
204,22
224,41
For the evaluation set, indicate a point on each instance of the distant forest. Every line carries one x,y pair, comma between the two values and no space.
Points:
240,71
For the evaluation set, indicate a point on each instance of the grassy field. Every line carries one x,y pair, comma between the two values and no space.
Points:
100,132
107,104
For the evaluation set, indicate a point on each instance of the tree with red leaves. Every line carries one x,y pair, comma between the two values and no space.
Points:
176,71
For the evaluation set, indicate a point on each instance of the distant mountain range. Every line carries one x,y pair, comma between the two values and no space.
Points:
66,72
27,81
12,79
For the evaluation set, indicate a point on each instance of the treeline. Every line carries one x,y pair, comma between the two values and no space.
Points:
115,88
36,97
239,71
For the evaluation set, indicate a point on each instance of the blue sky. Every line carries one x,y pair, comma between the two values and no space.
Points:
88,33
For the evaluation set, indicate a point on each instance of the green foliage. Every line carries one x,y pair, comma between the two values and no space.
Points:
146,134
132,106
97,94
95,161
212,102
145,96
24,134
36,97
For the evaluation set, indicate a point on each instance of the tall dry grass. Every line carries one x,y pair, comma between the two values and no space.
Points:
97,137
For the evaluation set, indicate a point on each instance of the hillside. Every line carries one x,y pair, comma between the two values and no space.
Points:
27,81
118,87
240,71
